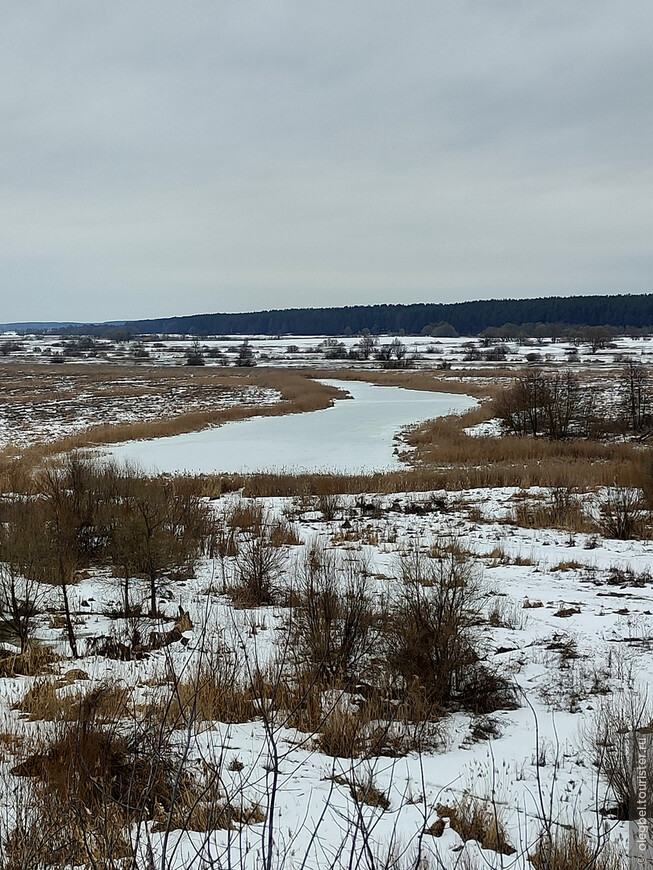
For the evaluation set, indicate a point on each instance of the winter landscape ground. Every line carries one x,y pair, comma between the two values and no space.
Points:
438,657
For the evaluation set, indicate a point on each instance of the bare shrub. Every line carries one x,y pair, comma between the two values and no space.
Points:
158,533
622,514
333,622
539,404
635,395
611,743
329,504
430,638
21,595
259,567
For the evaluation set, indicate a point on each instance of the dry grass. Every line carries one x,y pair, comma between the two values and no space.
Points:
571,849
562,509
365,792
211,695
512,461
46,701
583,467
570,565
343,724
377,730
212,813
475,819
33,662
283,534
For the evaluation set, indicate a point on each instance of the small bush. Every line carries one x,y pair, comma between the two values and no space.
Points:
610,740
259,566
430,636
333,623
622,514
329,504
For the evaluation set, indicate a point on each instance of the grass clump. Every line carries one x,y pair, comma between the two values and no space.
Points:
569,849
102,703
474,819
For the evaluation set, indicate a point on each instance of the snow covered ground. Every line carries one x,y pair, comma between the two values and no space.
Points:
463,352
569,620
41,406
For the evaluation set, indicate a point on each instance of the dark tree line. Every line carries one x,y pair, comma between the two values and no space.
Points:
464,318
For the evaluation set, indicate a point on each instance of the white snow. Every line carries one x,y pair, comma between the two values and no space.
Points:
355,435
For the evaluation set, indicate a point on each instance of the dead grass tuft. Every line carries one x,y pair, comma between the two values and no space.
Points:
365,792
212,694
569,565
103,703
570,849
35,661
474,819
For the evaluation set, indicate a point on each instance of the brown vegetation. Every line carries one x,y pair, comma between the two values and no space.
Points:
571,849
474,819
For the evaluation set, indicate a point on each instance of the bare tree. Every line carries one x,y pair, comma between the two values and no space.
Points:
21,593
554,406
159,532
635,395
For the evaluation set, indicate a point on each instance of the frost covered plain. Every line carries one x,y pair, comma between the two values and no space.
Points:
436,665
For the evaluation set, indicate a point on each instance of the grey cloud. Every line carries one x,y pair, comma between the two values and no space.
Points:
163,158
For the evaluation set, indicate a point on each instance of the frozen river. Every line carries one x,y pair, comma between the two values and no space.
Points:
355,435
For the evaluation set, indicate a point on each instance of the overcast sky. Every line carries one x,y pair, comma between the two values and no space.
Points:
163,158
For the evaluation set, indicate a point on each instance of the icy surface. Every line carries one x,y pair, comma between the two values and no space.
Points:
352,436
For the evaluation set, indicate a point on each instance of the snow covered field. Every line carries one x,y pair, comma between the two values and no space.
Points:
463,352
567,619
41,404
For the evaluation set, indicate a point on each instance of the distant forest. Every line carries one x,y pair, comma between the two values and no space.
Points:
463,318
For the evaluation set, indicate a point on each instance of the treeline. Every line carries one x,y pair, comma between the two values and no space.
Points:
464,318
